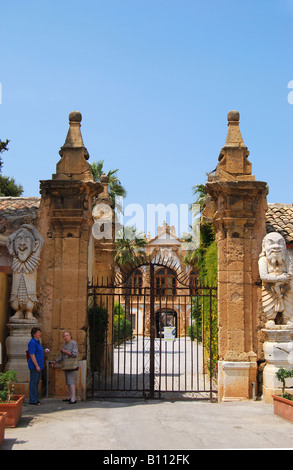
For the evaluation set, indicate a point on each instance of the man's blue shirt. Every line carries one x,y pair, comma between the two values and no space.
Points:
34,347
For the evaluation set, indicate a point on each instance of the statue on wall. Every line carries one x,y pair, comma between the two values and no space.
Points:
25,246
276,272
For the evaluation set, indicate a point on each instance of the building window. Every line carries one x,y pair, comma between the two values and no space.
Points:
165,282
136,282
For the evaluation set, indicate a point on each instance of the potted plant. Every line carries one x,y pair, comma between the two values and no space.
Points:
283,404
2,425
10,403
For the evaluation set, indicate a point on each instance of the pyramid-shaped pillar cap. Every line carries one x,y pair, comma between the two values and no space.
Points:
74,137
73,164
233,163
234,137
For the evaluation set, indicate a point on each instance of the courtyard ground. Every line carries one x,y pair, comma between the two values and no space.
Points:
129,424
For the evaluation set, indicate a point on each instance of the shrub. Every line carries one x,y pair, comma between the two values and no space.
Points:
7,380
122,326
195,329
283,374
98,322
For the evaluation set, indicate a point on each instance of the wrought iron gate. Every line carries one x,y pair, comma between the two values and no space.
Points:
152,339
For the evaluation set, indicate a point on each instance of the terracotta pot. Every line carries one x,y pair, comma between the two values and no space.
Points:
283,407
2,426
13,410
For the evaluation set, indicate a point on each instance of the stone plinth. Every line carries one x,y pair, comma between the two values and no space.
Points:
16,346
278,351
236,380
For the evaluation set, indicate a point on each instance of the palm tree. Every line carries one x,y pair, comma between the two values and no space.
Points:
194,258
130,247
199,190
115,186
130,251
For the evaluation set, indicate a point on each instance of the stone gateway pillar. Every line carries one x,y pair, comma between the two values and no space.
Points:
65,221
239,218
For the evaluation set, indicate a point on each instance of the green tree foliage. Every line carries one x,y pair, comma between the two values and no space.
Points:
3,147
195,330
122,326
8,186
7,380
130,247
200,193
205,261
282,374
98,322
115,186
98,327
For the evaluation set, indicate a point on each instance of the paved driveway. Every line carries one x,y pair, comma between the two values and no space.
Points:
123,425
179,368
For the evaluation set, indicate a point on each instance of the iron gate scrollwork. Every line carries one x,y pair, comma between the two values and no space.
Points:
152,339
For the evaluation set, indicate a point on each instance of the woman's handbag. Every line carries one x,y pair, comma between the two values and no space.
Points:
70,364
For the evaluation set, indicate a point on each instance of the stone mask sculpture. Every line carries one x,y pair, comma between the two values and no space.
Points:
25,246
276,272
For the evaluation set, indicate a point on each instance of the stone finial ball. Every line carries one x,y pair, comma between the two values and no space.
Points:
75,116
104,178
233,116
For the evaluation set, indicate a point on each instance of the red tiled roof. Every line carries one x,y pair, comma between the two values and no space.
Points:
17,210
280,219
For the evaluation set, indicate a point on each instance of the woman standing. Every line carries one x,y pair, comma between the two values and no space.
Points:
69,349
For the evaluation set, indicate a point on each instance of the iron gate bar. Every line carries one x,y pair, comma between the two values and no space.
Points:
210,318
152,383
152,332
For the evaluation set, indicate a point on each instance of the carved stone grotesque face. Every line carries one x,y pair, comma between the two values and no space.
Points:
24,245
274,246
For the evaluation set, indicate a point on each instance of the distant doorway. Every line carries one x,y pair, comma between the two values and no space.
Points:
165,318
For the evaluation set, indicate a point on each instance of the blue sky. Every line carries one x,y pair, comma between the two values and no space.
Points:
154,81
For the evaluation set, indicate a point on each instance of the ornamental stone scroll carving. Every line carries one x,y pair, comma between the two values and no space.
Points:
276,272
25,246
